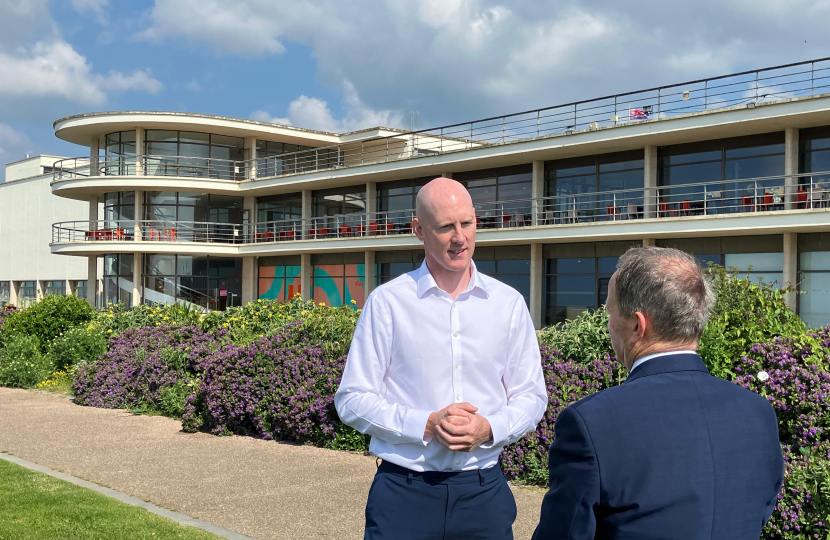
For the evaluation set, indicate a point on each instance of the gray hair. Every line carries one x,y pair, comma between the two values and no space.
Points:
669,287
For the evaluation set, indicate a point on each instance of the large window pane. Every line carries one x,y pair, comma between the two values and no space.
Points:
760,262
814,304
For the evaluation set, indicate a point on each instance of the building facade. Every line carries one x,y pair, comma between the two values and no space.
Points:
219,211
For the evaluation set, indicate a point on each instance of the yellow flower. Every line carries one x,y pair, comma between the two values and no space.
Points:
321,304
259,300
109,331
354,302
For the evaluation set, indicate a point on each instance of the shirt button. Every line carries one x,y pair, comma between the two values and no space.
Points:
458,366
458,462
458,398
455,334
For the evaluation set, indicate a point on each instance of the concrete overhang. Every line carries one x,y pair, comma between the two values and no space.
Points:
81,128
738,224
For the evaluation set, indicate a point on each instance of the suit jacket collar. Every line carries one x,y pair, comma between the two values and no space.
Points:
669,363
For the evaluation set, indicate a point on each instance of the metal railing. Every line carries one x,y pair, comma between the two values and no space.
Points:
336,226
148,165
164,290
149,231
766,194
746,88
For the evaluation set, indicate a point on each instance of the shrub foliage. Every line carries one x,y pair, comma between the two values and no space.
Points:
22,364
48,319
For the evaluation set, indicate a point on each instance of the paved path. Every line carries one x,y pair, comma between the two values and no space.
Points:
258,488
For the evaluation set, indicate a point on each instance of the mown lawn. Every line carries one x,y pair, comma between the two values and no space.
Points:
35,506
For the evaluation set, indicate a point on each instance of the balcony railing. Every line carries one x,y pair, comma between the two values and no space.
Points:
747,88
767,194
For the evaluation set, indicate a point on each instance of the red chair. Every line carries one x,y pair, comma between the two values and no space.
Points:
747,202
686,209
373,228
478,222
408,228
268,235
610,213
390,227
768,201
322,232
345,231
360,230
505,220
312,234
801,199
664,209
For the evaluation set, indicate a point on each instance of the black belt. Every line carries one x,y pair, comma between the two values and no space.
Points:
441,477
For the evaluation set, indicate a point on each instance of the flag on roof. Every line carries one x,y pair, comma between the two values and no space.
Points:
637,114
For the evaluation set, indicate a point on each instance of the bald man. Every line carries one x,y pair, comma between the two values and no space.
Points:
443,371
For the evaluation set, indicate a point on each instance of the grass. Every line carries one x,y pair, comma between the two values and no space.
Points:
34,506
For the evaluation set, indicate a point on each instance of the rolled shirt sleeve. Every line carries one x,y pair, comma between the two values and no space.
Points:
359,399
523,382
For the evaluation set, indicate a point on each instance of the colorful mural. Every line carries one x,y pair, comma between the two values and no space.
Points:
338,284
279,282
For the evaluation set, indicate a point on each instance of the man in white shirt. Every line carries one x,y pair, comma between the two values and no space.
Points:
443,371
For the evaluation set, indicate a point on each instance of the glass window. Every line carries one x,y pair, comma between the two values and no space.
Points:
188,153
814,157
26,293
81,289
768,267
120,153
5,292
169,206
340,201
512,272
575,285
54,287
592,187
280,207
119,209
209,282
505,190
716,163
814,286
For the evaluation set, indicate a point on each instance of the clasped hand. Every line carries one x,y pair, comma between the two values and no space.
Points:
458,427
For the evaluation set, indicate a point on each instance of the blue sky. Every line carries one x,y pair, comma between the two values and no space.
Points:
339,66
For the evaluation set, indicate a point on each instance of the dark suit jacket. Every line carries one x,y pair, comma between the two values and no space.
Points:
672,453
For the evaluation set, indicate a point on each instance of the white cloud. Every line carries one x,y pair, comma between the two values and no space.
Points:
56,69
458,59
193,86
14,145
96,6
314,113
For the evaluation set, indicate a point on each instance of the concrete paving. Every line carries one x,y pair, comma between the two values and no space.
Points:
261,489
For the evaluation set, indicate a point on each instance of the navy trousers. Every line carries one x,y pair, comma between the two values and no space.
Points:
466,505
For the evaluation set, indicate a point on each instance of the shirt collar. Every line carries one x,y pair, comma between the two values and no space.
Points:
426,282
650,356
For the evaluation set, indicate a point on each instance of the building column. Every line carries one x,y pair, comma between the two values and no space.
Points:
92,279
137,278
13,297
249,207
536,284
371,204
249,279
648,242
369,272
650,182
138,214
94,152
39,290
250,157
537,191
93,213
790,168
305,276
306,213
139,153
68,287
791,267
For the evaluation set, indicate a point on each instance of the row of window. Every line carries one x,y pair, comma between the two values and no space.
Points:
575,278
28,293
593,182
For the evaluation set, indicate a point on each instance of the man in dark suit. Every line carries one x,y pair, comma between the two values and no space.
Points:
674,452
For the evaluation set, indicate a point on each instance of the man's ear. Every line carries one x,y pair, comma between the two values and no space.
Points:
640,327
417,229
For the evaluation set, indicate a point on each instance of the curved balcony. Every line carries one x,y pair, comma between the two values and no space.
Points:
729,207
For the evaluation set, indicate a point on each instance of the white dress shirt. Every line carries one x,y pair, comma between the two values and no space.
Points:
416,350
648,357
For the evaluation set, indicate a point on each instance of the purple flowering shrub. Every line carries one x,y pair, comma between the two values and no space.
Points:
145,368
792,373
272,388
567,381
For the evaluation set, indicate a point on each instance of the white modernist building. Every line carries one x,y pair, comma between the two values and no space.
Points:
219,211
